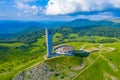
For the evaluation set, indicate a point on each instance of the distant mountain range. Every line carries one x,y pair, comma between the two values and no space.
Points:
17,26
86,22
30,31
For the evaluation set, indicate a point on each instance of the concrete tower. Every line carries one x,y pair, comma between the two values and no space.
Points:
49,42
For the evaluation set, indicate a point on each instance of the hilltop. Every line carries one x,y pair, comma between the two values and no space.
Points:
104,64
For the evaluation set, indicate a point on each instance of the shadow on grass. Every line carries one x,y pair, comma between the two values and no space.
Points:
81,53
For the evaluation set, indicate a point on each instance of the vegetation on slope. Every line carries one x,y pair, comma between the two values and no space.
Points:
103,64
18,56
53,69
81,27
20,51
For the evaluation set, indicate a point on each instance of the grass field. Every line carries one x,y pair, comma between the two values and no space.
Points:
15,57
106,67
102,65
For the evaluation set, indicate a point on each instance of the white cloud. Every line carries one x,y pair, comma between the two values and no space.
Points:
58,7
63,7
115,3
26,8
100,16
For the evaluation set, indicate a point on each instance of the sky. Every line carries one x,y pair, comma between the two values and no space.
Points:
59,9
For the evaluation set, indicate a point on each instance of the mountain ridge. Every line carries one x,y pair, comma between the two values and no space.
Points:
17,26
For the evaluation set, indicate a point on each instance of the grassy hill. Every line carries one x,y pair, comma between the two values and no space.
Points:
102,65
15,57
21,54
53,69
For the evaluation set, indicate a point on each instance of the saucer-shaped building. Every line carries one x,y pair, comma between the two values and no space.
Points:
63,49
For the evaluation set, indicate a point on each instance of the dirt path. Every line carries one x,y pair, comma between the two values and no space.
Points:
83,47
89,64
100,46
100,55
86,68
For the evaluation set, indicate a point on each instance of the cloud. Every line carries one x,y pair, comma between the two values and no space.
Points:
62,7
70,9
99,16
28,9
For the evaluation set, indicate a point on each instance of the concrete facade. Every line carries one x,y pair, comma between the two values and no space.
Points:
49,41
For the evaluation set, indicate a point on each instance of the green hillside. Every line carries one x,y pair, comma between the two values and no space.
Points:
16,57
82,27
24,52
102,65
